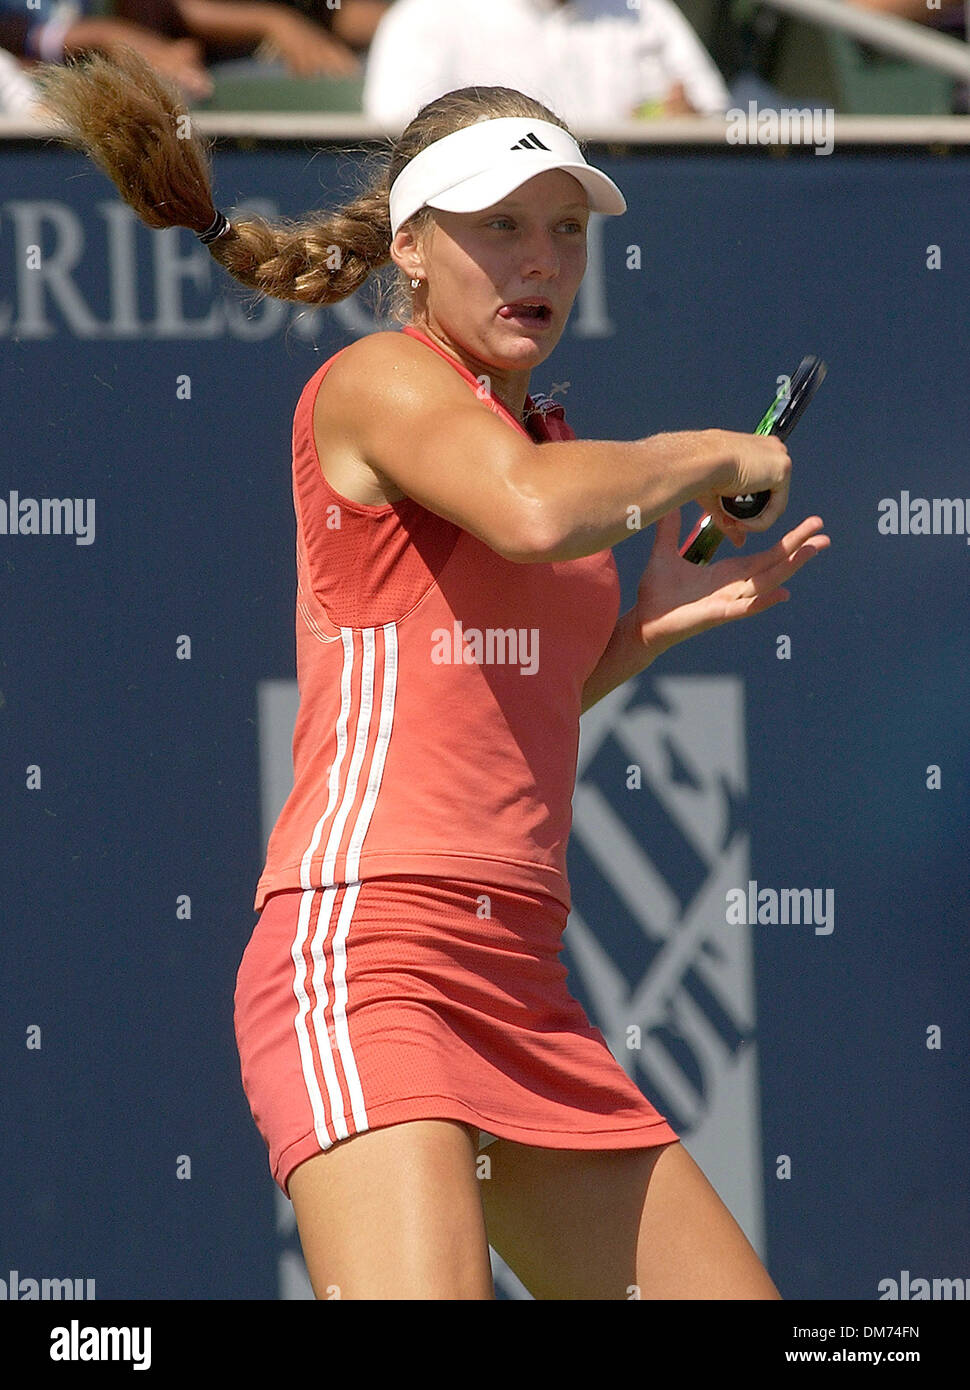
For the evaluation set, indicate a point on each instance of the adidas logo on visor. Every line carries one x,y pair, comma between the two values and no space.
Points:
529,142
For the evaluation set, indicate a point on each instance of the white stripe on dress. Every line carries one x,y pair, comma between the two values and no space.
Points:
346,679
303,1037
306,903
388,694
318,953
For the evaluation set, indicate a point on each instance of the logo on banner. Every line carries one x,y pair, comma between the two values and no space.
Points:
658,838
104,276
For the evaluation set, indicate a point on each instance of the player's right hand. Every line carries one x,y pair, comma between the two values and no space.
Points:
758,463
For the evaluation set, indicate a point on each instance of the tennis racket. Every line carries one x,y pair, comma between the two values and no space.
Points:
781,418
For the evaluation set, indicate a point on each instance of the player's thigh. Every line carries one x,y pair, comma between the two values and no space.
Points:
616,1224
395,1213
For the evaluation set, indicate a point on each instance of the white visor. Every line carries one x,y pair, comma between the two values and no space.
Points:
483,163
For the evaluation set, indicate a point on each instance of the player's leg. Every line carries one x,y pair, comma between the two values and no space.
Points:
395,1213
616,1224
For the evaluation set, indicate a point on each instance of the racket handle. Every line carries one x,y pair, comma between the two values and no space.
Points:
751,504
706,537
782,416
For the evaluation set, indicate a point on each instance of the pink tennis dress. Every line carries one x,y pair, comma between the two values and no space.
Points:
405,964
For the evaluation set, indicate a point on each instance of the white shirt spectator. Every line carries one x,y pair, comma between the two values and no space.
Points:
17,93
588,71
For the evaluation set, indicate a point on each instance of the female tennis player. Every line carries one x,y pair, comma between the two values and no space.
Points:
400,1008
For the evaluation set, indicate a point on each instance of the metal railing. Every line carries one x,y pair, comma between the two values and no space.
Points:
297,126
904,37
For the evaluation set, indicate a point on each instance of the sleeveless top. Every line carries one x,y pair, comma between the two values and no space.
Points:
440,687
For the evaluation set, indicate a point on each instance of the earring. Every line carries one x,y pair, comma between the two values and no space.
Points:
415,284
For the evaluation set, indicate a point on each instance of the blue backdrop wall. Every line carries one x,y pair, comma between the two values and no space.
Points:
132,781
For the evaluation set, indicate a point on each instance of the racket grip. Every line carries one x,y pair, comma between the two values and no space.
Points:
749,505
782,416
705,538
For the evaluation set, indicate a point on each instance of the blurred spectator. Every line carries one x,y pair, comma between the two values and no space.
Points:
180,37
241,28
17,92
354,22
52,29
306,35
644,62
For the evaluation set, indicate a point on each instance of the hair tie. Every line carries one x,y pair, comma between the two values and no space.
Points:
218,227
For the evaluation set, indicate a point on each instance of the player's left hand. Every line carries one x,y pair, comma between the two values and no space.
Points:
677,599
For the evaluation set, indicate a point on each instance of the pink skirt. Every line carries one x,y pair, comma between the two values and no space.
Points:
368,1004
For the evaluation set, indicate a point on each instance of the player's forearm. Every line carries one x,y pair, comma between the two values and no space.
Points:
625,656
98,33
230,21
596,493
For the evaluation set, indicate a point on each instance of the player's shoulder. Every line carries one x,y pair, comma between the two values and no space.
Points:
393,367
384,347
388,349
